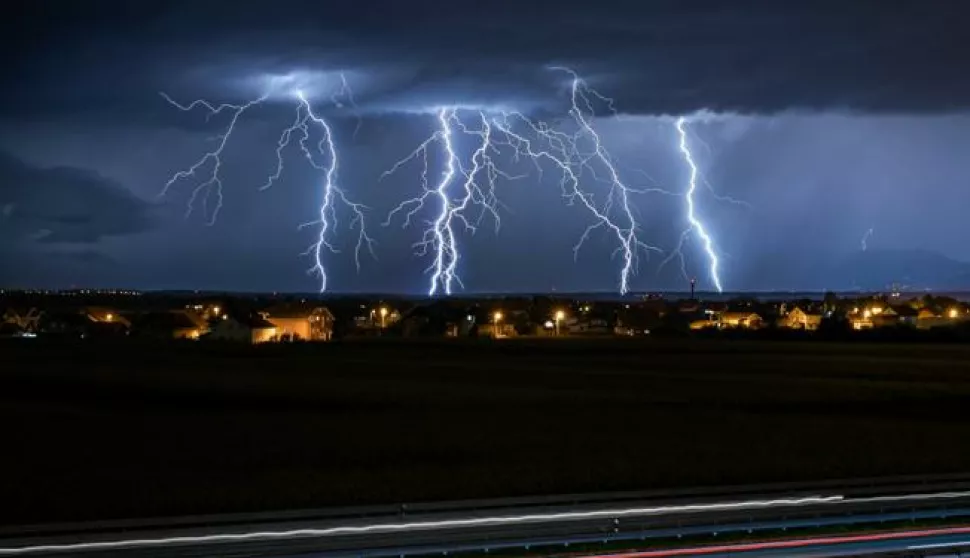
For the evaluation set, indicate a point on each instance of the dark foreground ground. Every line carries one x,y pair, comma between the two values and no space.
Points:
98,431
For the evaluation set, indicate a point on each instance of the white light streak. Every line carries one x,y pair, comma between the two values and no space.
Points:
422,525
489,521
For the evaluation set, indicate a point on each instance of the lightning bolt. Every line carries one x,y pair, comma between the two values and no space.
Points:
627,231
463,194
333,196
695,225
578,154
210,181
454,204
865,239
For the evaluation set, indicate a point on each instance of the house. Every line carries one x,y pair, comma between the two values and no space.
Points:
927,314
25,321
71,324
301,322
957,312
436,319
930,318
372,318
106,315
688,306
799,319
739,319
590,326
638,320
81,324
497,330
903,314
714,307
251,329
167,325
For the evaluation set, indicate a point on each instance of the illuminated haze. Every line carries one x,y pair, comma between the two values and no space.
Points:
812,125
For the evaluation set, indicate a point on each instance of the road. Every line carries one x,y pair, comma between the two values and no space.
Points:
846,518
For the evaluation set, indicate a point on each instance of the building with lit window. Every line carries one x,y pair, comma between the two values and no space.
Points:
297,323
800,319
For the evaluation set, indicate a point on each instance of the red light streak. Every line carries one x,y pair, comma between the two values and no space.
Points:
796,543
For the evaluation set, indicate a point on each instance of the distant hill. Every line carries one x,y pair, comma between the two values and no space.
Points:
910,269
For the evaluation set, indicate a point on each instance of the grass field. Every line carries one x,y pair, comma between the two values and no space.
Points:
97,431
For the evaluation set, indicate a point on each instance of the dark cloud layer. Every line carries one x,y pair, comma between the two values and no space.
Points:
654,57
65,205
867,105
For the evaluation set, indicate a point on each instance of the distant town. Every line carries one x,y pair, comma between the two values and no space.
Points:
256,319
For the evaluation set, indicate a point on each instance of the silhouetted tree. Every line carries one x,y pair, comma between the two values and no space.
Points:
830,302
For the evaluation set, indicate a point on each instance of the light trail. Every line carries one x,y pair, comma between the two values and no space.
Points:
506,520
939,546
423,525
794,543
333,195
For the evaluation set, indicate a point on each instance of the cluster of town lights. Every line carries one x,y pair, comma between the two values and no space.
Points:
557,318
952,313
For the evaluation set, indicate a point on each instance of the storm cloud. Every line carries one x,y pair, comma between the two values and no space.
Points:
661,57
828,118
65,205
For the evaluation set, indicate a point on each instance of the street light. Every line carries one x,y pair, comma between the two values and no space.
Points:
383,313
496,318
559,317
110,317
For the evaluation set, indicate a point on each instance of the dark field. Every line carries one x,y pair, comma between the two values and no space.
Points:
98,431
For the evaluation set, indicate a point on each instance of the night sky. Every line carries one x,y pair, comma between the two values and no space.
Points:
826,118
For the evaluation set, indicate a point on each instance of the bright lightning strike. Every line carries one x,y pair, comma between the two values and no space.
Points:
578,154
865,239
332,195
696,226
209,167
465,185
626,232
453,203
